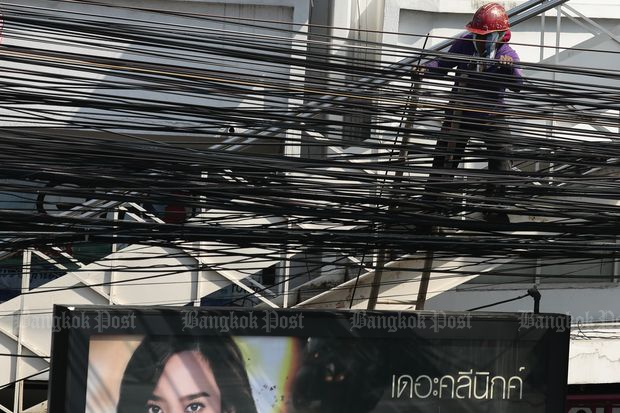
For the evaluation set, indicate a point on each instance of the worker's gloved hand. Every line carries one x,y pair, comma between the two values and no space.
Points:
418,71
505,62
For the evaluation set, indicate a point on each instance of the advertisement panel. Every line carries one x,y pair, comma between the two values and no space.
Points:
190,359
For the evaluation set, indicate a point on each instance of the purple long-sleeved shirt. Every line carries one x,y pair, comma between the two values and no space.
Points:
485,89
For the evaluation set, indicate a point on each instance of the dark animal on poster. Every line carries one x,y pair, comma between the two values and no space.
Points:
340,376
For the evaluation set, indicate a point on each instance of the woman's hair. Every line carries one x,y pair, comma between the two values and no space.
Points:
147,364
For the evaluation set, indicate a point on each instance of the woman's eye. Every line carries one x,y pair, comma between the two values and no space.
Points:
194,407
151,408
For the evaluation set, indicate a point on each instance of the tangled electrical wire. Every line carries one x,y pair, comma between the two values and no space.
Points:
177,128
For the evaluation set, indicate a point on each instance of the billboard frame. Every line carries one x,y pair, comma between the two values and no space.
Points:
73,327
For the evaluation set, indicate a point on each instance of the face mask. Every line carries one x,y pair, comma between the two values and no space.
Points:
489,43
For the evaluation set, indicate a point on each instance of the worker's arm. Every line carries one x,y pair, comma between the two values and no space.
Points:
507,64
444,64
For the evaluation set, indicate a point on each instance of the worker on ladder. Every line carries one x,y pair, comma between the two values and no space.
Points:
485,68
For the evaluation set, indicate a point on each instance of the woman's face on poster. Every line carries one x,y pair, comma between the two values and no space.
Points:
187,385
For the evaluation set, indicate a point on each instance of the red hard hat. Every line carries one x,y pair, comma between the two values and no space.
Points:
489,18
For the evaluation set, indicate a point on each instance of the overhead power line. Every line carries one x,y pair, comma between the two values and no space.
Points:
135,112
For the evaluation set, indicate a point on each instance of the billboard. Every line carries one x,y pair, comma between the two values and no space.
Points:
192,359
